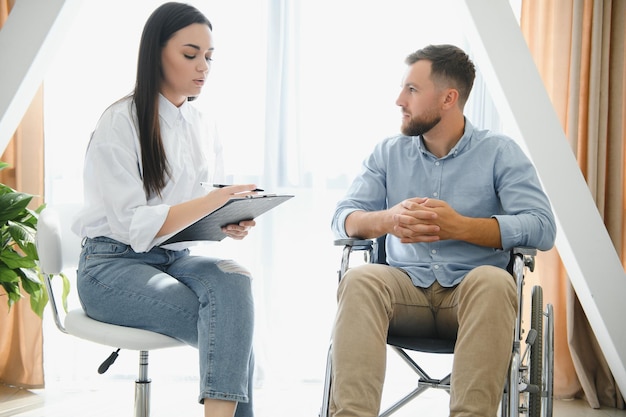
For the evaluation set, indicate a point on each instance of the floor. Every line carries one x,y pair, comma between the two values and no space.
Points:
289,384
114,397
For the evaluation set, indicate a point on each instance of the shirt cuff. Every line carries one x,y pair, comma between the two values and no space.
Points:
510,231
341,223
146,223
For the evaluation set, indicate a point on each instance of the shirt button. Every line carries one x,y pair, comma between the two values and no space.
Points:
435,193
437,163
433,251
436,266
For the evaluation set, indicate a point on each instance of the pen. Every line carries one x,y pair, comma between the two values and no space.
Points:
206,184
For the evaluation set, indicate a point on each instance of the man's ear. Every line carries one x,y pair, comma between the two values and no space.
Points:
451,97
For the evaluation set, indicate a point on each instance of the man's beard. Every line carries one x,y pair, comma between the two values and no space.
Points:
416,127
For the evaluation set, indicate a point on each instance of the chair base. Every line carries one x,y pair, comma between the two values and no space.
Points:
142,387
142,398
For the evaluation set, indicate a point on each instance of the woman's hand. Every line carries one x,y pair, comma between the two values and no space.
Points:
238,231
184,214
220,196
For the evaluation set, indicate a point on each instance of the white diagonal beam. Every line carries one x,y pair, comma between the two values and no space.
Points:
28,42
584,244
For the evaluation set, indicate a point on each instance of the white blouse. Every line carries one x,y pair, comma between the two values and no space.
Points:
115,202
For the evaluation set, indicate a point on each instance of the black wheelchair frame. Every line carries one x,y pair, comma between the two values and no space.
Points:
529,385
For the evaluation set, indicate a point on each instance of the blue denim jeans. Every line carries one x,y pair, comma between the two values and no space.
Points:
204,302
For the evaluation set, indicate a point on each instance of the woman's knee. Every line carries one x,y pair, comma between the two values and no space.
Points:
228,266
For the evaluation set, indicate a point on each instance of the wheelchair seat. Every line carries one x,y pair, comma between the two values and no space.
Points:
422,345
528,390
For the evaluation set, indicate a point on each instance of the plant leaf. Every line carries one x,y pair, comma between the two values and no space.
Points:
66,290
18,231
14,260
34,287
8,275
18,251
29,277
12,204
44,293
28,218
38,305
30,251
66,286
5,189
21,231
38,300
13,292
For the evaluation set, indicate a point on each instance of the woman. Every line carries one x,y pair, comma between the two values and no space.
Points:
145,162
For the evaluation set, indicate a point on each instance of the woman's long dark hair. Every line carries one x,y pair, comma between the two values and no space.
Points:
159,28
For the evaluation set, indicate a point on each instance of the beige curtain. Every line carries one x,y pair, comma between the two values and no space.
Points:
21,340
578,47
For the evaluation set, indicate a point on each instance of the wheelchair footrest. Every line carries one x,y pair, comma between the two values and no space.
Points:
433,383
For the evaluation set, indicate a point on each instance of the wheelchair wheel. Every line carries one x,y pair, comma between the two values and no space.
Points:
328,379
548,361
536,353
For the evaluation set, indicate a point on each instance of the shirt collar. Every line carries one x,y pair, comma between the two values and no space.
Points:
170,113
460,146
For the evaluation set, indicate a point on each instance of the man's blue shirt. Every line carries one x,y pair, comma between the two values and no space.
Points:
484,175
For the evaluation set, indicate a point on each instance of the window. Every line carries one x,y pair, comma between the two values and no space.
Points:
301,91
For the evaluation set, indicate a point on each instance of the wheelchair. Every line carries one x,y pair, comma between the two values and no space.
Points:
529,385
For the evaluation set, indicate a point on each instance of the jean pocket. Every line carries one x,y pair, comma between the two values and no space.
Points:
100,254
105,248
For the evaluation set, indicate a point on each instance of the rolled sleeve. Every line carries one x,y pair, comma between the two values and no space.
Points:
510,231
145,224
528,230
367,193
339,223
485,175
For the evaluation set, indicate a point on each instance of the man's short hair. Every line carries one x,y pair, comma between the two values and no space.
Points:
451,67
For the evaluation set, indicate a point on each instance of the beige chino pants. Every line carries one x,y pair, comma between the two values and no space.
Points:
372,299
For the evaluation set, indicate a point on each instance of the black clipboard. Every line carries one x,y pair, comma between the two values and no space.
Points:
209,228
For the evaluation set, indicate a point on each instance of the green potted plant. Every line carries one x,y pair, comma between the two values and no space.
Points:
18,253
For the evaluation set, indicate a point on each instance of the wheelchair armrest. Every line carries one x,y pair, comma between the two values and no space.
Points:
368,246
526,254
523,250
355,244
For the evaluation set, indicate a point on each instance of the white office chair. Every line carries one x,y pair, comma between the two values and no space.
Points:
59,250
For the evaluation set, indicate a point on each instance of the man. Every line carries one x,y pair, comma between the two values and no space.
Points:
452,200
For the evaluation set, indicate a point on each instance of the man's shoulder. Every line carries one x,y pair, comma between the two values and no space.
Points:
492,138
396,140
396,145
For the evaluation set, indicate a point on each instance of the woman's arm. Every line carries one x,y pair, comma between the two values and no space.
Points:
183,214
